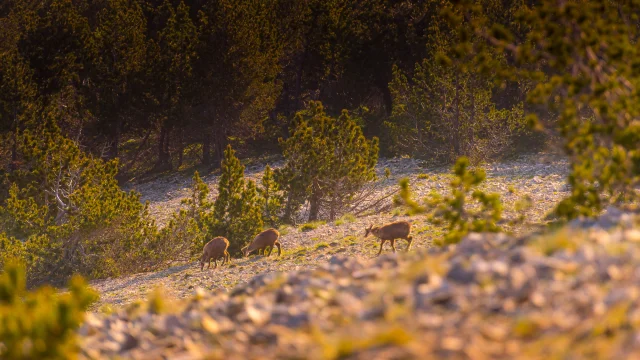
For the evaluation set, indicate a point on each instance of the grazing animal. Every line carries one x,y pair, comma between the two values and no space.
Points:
391,232
264,240
213,250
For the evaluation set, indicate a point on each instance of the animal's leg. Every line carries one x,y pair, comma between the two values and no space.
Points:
226,257
277,243
260,251
209,265
215,263
393,244
270,250
409,240
381,244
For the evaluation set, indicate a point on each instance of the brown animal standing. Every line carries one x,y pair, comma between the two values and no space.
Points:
264,240
215,249
391,232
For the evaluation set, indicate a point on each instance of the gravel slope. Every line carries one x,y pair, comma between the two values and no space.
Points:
540,176
572,294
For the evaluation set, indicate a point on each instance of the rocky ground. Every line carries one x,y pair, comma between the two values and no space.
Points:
540,177
569,294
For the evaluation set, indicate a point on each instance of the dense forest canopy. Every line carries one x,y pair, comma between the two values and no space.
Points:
157,82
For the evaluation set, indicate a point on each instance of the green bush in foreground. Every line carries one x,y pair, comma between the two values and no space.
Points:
582,57
40,324
466,209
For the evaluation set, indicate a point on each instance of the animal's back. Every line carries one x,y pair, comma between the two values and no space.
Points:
397,228
268,236
218,245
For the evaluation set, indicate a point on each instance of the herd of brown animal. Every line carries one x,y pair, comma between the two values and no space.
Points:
268,239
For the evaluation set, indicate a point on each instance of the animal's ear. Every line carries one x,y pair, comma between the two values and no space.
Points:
367,230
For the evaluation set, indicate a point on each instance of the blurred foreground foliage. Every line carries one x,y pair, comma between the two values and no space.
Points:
40,324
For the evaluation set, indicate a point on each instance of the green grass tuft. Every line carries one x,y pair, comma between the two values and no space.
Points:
346,218
312,225
284,230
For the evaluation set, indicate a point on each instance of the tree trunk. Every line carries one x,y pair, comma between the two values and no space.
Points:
456,118
137,153
314,202
167,152
298,86
14,146
387,98
333,209
288,209
180,147
206,149
164,162
301,60
115,142
219,145
163,133
472,123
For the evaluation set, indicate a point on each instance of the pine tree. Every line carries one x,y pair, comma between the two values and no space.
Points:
466,209
448,108
237,214
590,81
68,210
117,48
17,92
328,160
247,223
197,203
270,197
176,54
185,234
